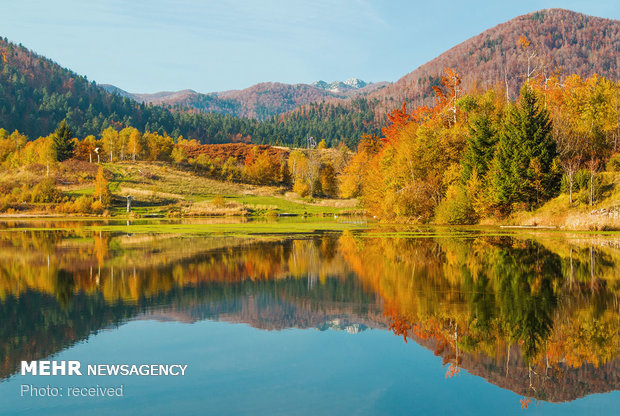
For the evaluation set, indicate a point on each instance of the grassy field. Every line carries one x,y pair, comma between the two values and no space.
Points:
160,189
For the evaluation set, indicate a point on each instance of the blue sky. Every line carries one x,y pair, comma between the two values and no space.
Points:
215,45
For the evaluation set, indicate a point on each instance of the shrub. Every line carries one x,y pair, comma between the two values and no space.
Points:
96,207
45,191
456,209
65,207
82,204
219,201
4,204
178,155
613,165
301,187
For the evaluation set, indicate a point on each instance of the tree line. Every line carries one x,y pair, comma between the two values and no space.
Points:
476,154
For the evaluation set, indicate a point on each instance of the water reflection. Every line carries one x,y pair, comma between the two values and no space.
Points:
538,316
520,313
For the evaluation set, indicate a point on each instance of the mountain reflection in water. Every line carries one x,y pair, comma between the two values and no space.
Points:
538,316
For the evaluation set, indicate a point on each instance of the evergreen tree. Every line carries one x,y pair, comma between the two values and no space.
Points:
480,146
525,169
63,141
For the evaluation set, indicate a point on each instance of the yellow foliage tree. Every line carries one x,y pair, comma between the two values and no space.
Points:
102,192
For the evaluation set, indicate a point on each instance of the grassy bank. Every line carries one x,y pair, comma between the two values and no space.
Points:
603,215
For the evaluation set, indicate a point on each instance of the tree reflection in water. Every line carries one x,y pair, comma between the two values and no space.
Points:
538,316
504,308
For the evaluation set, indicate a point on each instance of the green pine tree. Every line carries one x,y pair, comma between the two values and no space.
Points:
63,142
525,169
480,147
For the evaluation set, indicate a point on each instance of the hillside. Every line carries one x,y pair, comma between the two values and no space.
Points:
259,101
561,40
37,93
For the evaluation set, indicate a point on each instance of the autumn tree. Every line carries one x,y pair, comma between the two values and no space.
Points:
127,144
102,192
447,95
135,143
327,177
530,54
109,139
353,177
262,169
299,168
571,147
158,147
590,100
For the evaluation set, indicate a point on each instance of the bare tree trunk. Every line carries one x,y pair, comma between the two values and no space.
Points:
570,187
507,357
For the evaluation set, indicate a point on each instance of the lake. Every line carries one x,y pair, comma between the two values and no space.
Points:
305,318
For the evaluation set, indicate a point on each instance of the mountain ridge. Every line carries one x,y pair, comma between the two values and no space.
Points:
37,93
260,101
561,39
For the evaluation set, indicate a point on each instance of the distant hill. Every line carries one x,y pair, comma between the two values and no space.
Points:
259,101
562,40
37,93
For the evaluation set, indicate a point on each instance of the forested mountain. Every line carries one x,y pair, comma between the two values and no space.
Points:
559,41
259,101
555,41
36,93
545,43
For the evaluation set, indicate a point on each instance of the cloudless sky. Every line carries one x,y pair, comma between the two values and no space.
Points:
215,45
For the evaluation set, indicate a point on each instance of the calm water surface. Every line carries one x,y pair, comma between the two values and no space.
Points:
431,321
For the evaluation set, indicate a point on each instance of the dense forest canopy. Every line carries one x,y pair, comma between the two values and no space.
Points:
36,94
